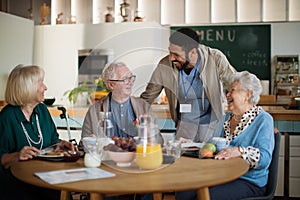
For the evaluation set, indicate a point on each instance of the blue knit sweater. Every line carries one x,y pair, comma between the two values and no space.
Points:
260,134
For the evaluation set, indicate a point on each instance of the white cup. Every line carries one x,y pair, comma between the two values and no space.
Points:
92,157
220,143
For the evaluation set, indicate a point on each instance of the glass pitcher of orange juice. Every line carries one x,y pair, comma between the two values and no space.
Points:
148,150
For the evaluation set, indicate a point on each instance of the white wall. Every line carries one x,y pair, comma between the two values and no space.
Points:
139,45
16,39
285,40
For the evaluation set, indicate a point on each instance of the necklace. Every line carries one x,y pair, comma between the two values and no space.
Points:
40,135
236,119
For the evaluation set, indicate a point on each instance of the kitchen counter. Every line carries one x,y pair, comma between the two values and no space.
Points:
72,111
162,112
284,119
77,114
281,113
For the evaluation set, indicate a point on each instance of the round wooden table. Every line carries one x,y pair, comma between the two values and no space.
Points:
185,174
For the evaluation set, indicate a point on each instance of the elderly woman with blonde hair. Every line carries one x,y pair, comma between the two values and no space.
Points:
26,127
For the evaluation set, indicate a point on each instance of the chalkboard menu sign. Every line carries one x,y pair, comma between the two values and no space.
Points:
247,47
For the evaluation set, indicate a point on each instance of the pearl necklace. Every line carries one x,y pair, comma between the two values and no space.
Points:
40,135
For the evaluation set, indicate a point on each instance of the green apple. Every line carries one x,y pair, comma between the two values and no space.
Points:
210,146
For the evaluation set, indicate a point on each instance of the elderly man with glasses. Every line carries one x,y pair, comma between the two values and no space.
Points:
125,109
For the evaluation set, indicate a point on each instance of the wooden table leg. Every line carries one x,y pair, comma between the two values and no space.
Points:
65,195
203,194
157,196
96,196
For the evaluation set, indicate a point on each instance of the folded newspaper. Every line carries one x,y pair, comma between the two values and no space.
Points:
71,175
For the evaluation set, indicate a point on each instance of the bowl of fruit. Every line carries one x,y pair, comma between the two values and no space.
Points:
122,152
122,158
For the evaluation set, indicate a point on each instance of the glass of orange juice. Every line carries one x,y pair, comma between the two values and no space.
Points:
149,156
148,150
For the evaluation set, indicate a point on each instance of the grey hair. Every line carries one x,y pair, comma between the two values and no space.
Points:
109,71
249,82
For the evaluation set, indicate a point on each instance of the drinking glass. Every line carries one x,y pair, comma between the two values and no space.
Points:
105,126
105,130
174,148
92,157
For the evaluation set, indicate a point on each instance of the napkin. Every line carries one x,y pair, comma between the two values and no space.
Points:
71,175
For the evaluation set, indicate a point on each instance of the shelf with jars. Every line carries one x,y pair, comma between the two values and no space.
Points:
286,76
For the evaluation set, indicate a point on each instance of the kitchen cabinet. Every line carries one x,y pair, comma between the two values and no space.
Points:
280,175
294,176
286,76
289,159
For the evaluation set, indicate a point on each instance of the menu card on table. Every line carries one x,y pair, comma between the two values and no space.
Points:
70,175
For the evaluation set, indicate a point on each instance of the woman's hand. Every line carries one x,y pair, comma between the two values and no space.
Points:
228,153
25,153
28,152
63,144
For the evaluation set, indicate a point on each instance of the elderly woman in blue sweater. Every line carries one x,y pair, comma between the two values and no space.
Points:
249,132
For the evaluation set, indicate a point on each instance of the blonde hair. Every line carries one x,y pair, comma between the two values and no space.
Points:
22,84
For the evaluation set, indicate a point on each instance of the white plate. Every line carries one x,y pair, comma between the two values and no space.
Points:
191,146
51,157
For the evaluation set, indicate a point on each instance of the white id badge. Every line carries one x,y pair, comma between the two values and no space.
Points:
185,108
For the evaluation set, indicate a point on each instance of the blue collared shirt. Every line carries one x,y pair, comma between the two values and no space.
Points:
123,117
191,92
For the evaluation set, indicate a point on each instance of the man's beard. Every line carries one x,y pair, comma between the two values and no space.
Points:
184,66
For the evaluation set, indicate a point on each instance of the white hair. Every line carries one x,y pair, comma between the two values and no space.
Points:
250,82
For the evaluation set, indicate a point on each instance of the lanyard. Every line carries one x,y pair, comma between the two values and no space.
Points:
184,90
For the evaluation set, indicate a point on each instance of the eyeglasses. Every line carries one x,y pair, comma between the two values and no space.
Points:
126,81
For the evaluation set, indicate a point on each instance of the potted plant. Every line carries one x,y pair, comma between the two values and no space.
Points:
100,84
101,89
81,89
94,93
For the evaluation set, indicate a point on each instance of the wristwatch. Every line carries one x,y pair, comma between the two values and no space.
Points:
241,150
